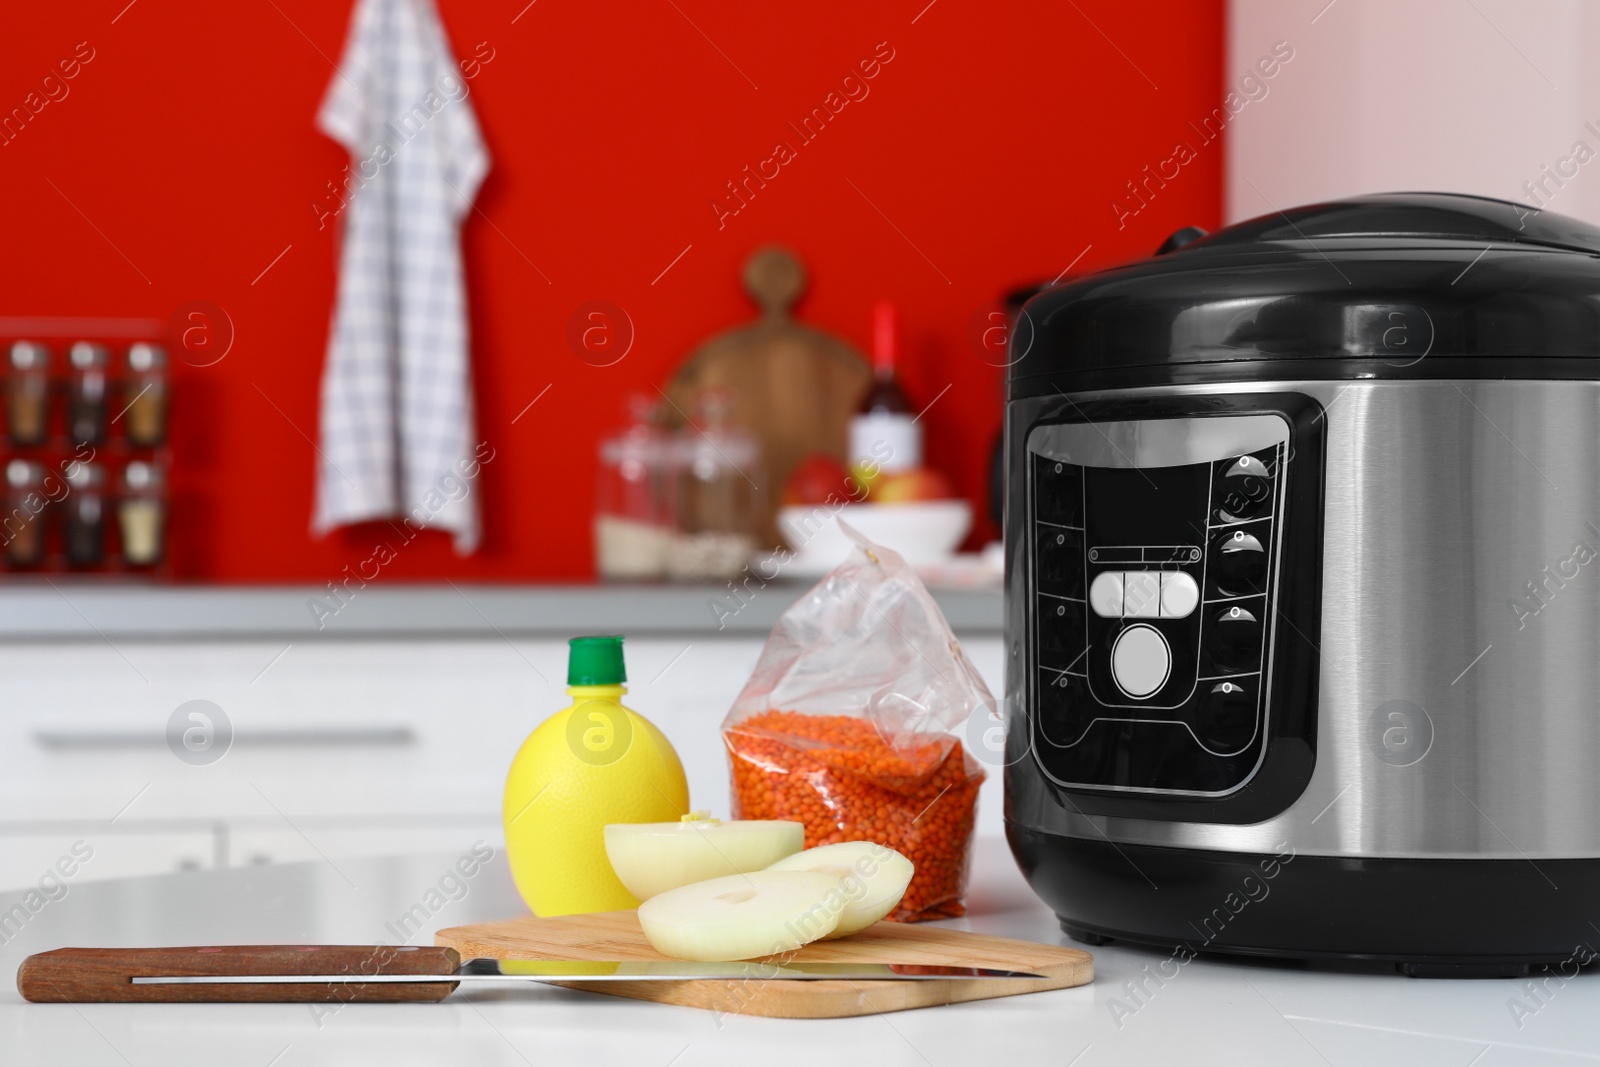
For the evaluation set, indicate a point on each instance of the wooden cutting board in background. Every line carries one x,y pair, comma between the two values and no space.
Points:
794,387
615,935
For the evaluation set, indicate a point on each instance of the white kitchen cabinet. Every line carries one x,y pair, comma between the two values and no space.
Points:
331,843
347,747
37,860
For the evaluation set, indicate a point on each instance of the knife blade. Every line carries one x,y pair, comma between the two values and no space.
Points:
490,970
369,973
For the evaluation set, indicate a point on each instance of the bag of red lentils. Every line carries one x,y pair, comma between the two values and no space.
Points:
846,726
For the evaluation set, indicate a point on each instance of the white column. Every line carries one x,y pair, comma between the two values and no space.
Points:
1469,96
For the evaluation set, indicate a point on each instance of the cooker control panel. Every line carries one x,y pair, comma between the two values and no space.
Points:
1154,559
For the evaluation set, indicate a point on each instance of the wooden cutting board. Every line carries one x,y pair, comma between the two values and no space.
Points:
615,935
794,387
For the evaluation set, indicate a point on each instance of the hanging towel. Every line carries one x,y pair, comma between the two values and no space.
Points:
397,422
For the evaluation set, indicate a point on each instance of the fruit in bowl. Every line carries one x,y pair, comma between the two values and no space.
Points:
912,486
822,479
819,479
915,512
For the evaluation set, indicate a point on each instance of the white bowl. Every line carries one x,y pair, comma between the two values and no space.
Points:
922,533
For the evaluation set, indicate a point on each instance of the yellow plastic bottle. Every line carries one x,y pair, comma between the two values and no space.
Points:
593,763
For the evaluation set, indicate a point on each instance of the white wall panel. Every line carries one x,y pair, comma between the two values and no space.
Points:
1470,96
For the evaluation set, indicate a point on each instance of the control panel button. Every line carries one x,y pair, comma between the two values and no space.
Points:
1060,561
1227,718
1058,491
1066,710
1141,594
1140,660
1236,639
1241,564
1144,594
1105,595
1061,639
1245,490
1180,594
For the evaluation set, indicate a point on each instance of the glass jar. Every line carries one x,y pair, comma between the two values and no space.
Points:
145,396
86,393
83,523
24,520
28,394
718,496
142,513
633,513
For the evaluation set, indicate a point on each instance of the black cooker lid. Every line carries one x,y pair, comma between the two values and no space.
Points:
1393,285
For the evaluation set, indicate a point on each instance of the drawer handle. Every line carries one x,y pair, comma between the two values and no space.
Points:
359,736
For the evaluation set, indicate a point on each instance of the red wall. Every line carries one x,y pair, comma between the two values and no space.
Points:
184,159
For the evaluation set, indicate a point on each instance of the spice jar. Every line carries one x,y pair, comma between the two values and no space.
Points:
717,495
28,393
633,514
143,513
86,394
145,395
24,520
83,526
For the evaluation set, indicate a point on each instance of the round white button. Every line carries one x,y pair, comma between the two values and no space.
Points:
1140,660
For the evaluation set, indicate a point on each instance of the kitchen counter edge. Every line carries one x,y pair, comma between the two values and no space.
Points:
60,610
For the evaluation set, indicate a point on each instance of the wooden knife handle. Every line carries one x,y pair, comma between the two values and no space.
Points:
87,975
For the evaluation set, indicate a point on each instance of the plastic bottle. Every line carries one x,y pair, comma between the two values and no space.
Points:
590,764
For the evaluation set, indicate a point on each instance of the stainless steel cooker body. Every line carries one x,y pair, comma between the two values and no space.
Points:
1457,638
1303,589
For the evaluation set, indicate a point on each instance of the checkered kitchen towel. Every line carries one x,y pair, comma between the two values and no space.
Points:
397,423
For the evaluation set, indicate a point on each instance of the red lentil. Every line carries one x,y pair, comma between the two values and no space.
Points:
843,781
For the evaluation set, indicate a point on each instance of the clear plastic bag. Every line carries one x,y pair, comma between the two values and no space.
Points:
845,726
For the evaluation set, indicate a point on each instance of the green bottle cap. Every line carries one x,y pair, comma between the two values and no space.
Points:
595,661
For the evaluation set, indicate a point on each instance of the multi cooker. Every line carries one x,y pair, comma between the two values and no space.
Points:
1303,596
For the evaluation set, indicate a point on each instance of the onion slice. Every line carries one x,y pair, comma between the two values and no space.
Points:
743,916
651,858
874,877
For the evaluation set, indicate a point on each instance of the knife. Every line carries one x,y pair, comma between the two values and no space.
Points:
384,973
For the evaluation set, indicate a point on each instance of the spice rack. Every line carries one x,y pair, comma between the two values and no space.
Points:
84,453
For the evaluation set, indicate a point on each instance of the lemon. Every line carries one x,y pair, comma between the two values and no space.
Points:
594,763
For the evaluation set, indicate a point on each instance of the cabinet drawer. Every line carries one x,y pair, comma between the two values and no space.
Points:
27,860
255,847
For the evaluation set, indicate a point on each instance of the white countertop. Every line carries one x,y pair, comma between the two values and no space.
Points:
1214,1012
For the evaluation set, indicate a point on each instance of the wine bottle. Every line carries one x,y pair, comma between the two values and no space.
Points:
884,432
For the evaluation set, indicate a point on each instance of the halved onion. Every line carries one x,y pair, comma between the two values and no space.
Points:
653,857
874,877
743,916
